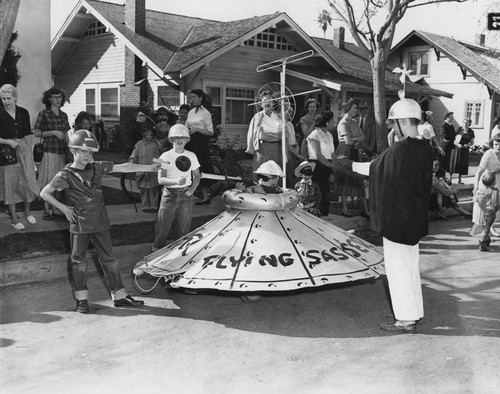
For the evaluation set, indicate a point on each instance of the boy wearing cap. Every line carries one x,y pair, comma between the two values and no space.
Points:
268,175
179,176
86,213
308,190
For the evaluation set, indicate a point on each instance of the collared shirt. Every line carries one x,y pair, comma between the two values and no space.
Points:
47,120
83,190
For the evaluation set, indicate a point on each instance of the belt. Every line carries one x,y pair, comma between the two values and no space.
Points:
177,189
269,142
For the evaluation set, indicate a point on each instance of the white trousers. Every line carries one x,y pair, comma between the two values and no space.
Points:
403,275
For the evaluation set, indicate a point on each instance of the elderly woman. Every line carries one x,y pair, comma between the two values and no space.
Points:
459,163
347,182
320,149
17,180
489,161
264,133
52,125
200,126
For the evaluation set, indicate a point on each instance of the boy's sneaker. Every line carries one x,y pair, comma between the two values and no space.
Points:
82,306
128,301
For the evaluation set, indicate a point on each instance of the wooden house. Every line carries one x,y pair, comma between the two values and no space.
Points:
471,71
112,60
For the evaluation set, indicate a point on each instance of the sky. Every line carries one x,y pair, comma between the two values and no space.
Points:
461,21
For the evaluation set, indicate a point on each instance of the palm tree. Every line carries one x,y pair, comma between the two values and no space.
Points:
324,20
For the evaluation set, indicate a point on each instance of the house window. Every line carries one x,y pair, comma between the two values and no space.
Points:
103,102
167,96
419,63
95,29
271,40
474,111
238,110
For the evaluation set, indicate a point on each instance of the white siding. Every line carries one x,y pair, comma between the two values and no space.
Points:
446,75
97,60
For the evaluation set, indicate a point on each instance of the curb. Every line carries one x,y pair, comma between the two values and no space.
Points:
45,268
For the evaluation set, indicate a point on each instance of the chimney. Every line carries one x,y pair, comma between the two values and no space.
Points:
338,37
135,15
480,39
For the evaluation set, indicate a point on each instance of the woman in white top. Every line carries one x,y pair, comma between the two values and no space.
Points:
320,148
426,130
200,126
264,133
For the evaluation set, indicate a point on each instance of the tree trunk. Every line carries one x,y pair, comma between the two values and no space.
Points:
8,15
378,65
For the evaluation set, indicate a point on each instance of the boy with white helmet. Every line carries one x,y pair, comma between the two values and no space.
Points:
400,186
268,175
179,176
86,213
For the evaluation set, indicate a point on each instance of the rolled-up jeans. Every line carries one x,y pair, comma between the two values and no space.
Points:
176,209
104,249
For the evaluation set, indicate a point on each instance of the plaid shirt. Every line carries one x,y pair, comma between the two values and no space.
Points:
47,120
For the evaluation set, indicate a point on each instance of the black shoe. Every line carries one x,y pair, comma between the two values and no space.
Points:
82,306
128,301
206,202
483,246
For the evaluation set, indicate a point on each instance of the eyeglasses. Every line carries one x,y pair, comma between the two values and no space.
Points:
56,97
265,178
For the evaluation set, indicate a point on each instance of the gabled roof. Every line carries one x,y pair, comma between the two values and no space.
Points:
356,69
175,44
469,57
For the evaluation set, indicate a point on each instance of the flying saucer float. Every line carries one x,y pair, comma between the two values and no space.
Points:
262,243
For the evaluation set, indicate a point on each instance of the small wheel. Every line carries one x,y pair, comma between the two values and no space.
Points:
144,283
250,298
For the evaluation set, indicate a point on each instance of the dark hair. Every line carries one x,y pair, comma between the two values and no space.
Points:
496,121
448,114
322,119
200,93
309,101
184,106
440,173
348,105
50,92
80,117
495,137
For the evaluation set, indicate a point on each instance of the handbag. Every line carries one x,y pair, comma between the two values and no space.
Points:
38,150
8,155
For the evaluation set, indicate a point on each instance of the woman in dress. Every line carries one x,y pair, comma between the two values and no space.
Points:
200,126
307,123
460,155
18,180
347,182
52,125
448,135
320,149
489,161
264,133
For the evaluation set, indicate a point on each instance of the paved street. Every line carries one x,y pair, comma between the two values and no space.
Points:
317,341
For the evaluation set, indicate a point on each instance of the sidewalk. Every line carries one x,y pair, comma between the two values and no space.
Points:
46,265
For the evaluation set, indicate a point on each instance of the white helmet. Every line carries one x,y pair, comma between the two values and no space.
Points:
178,130
269,168
405,108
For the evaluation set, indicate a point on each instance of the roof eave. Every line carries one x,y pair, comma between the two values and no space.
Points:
235,43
